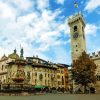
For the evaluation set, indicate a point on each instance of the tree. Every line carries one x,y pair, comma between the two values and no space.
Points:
83,70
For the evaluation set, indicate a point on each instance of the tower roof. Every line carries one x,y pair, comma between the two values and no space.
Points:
75,18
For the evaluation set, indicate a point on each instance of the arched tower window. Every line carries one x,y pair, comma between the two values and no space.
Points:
75,28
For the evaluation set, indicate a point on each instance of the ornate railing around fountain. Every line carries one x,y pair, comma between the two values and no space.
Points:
18,79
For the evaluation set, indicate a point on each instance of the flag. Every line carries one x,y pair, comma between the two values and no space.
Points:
75,4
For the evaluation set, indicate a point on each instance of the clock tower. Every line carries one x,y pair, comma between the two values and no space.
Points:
77,32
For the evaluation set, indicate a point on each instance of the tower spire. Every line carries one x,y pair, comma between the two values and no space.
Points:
15,51
21,53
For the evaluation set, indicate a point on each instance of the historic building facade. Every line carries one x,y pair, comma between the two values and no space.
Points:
44,73
96,58
3,69
32,71
62,76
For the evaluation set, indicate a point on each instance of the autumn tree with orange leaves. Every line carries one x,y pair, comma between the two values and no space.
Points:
83,70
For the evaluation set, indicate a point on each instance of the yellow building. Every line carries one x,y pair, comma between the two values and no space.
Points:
44,73
4,66
96,58
62,76
32,71
3,69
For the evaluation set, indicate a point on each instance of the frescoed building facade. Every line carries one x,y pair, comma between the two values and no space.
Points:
34,71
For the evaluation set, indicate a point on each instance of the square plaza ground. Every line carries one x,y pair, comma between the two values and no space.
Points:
54,97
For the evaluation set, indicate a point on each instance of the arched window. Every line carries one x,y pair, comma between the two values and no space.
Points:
98,77
28,75
35,73
75,28
2,67
82,29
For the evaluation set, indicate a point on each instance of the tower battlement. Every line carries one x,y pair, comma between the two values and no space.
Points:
95,55
76,17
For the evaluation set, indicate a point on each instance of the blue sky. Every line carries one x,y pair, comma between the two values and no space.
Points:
40,27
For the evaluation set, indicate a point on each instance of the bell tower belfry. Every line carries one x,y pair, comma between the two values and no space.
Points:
77,33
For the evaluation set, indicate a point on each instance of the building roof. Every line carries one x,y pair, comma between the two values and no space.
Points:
4,57
44,65
37,58
62,65
18,62
95,56
14,55
75,18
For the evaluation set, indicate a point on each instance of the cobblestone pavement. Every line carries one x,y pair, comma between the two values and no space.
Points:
54,97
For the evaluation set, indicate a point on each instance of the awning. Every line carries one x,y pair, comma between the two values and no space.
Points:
39,86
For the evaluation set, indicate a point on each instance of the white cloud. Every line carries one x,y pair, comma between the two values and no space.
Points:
42,4
92,44
91,29
60,1
20,4
36,32
92,4
6,11
23,4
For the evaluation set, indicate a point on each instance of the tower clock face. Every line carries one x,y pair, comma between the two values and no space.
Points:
75,35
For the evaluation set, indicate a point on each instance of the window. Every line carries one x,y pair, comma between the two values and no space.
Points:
48,82
40,77
35,73
4,80
28,75
45,74
35,81
58,71
30,60
45,82
2,67
98,77
62,72
58,76
58,82
75,28
62,80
